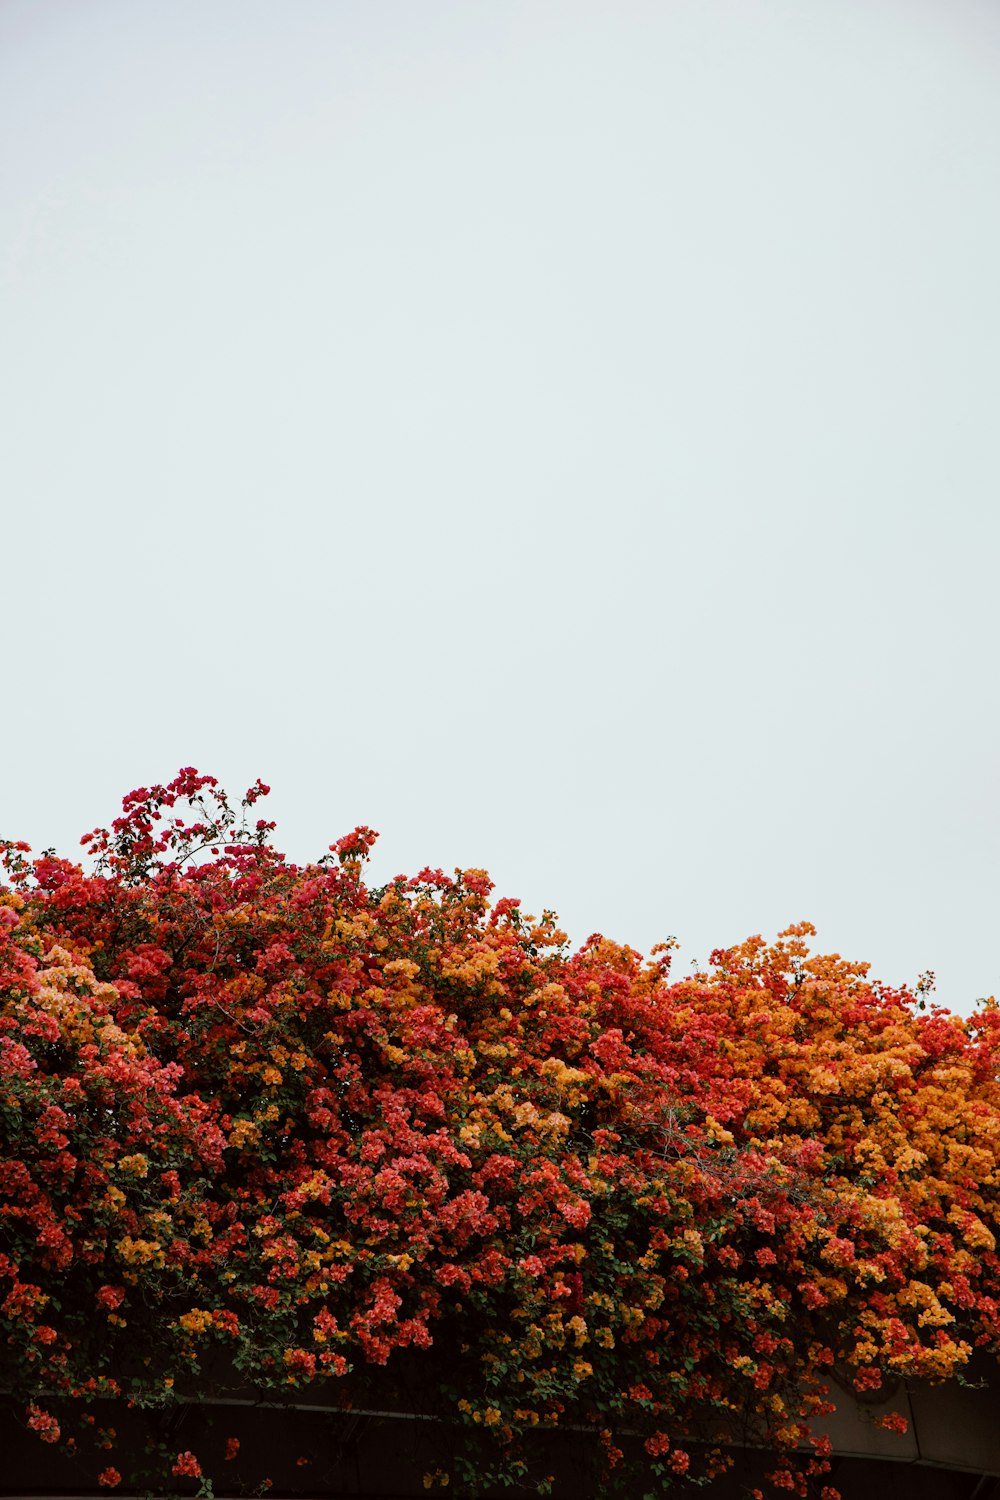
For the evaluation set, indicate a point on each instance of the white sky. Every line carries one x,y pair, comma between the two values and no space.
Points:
562,435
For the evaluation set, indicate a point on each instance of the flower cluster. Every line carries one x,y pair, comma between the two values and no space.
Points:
269,1113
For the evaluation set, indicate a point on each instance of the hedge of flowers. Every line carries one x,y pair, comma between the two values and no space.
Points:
270,1114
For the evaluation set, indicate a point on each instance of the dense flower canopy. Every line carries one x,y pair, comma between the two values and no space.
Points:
267,1112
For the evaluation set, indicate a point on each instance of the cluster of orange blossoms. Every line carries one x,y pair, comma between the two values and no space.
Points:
269,1111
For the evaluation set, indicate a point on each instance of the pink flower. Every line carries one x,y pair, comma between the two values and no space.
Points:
44,1423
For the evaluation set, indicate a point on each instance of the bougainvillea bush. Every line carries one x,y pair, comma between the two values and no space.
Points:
268,1118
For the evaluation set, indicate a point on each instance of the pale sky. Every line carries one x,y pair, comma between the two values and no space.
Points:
562,435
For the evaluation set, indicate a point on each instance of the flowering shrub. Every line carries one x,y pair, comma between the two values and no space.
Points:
265,1117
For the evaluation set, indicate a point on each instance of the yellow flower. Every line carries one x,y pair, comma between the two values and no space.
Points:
136,1166
578,1328
243,1133
196,1321
140,1252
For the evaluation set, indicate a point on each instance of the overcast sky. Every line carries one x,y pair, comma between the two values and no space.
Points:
562,435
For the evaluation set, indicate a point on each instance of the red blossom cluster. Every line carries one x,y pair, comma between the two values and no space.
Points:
269,1112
